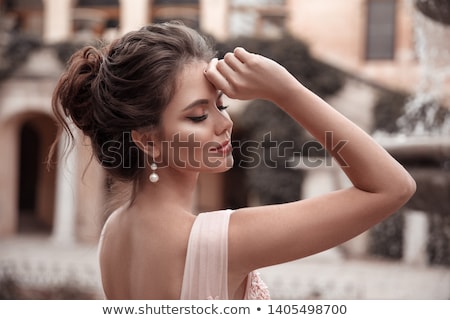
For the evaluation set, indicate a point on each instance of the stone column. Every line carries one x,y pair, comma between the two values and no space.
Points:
58,22
415,238
9,177
133,14
65,203
214,18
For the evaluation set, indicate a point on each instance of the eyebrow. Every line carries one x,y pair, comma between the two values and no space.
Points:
200,102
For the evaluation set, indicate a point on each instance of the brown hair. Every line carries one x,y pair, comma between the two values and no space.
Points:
109,92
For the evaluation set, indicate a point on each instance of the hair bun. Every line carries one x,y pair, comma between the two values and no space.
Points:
77,84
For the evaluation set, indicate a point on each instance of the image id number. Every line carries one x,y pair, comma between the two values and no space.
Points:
307,309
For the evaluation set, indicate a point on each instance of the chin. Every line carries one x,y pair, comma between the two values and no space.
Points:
226,164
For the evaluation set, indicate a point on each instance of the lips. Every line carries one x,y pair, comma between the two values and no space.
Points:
223,148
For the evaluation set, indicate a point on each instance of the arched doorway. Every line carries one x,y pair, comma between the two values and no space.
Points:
28,175
36,184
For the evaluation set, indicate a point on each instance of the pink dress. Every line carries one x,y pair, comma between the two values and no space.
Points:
206,267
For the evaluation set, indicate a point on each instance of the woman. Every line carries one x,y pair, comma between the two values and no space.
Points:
152,105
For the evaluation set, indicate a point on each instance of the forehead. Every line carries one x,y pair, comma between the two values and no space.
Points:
192,85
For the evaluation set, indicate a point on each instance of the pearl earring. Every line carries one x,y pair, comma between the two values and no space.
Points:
153,176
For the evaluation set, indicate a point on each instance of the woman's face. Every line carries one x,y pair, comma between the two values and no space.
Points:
196,128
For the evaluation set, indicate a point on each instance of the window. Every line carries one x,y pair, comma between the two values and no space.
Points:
380,29
265,18
24,15
23,4
174,2
97,3
186,11
95,18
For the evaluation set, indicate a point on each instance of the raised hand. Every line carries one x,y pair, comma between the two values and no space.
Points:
244,75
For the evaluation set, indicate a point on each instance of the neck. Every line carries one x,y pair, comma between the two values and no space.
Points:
174,189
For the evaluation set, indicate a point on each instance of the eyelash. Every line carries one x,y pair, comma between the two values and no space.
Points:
198,119
205,116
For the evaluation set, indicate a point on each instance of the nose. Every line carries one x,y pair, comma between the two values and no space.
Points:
223,123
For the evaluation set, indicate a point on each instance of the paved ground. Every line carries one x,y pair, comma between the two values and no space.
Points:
39,261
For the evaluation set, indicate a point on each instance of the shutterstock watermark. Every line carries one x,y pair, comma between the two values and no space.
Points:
275,154
189,152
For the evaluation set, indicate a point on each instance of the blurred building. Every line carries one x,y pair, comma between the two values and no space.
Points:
372,39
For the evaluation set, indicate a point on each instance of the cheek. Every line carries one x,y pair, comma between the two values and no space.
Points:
189,137
186,146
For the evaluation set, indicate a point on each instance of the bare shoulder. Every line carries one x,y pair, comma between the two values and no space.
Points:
109,226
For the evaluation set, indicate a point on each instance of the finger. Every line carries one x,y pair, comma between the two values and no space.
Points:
225,69
233,61
242,54
215,76
211,65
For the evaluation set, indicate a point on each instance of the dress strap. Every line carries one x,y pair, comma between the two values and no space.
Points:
206,266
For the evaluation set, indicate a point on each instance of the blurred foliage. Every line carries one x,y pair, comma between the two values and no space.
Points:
439,242
8,289
391,114
16,47
389,107
278,137
386,238
438,10
433,190
65,49
432,196
15,51
431,116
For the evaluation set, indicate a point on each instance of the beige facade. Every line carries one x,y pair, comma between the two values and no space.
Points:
337,33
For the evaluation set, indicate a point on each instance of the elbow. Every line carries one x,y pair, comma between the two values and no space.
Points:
404,190
409,188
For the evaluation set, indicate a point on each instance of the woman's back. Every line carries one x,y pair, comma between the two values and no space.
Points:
142,256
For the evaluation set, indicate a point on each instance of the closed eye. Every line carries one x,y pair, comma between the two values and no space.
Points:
222,107
199,118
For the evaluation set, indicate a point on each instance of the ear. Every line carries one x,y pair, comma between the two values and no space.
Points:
147,142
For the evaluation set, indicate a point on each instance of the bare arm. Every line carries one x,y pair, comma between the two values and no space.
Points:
263,236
